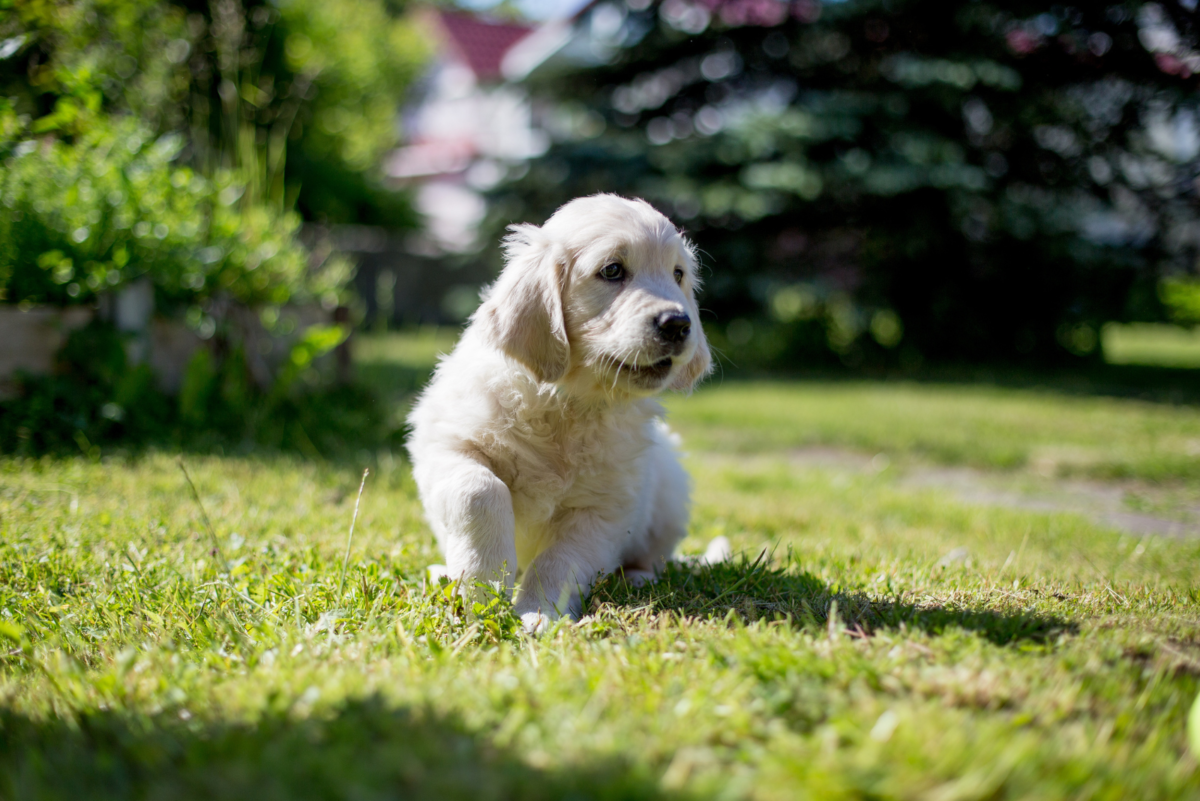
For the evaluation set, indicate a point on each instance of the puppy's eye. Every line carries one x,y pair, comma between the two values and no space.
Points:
613,272
679,275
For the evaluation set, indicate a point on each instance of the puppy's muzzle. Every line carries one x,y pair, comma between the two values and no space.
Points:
673,327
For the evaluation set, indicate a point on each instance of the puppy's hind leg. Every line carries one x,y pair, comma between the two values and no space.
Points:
719,550
664,501
670,491
636,577
555,582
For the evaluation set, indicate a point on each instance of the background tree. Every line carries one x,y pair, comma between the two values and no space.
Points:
891,181
253,86
183,143
179,141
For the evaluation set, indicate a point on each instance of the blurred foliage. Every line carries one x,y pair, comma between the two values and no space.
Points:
359,58
884,182
144,137
65,65
251,86
173,141
1182,300
78,219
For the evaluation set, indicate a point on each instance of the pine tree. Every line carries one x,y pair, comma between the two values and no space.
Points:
891,181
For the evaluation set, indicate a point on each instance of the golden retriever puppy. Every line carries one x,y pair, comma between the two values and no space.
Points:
538,449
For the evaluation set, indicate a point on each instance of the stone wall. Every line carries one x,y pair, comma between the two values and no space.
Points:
30,337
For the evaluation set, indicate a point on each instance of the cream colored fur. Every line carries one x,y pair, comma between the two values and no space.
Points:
538,449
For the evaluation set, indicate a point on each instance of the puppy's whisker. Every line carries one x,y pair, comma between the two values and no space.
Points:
617,376
637,357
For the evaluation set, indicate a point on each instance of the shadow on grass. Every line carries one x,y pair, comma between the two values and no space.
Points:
364,749
755,590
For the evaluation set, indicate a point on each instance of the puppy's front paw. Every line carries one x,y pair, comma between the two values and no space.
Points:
436,572
535,622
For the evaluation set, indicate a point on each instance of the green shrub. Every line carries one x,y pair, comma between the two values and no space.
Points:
150,140
79,219
1182,300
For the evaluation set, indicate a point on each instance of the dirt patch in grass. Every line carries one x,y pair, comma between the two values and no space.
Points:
1107,503
1135,507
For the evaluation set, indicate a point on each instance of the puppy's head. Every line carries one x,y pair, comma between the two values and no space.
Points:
602,296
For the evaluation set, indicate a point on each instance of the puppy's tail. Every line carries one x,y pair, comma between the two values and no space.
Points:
718,551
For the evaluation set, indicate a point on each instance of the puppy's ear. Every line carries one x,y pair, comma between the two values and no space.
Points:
522,313
698,367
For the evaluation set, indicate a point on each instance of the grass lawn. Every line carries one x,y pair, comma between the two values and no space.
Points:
977,425
876,640
1164,345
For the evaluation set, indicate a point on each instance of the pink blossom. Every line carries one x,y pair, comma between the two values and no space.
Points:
1171,65
806,10
1022,42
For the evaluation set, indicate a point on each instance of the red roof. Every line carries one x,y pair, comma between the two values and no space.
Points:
481,44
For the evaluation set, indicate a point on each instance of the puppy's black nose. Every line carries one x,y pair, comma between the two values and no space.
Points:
673,326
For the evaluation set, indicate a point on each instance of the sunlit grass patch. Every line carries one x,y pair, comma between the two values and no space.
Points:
869,638
1150,344
977,425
